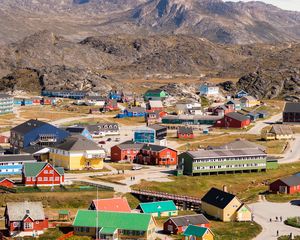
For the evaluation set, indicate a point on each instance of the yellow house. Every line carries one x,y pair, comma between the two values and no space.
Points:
249,101
197,233
225,206
77,153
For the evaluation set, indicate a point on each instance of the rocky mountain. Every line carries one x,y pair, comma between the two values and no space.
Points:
216,20
46,60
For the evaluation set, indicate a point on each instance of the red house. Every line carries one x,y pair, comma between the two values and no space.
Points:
157,155
126,151
234,120
4,139
25,219
36,101
42,173
185,132
177,225
111,105
288,185
223,110
46,101
110,205
5,182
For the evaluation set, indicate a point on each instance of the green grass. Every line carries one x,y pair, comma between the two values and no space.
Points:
235,230
246,185
55,233
287,238
294,222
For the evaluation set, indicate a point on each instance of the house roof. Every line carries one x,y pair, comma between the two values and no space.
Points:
240,144
291,180
103,127
137,109
281,129
292,107
112,220
195,219
185,130
112,205
36,149
16,158
154,207
195,231
218,198
156,103
154,147
249,98
28,126
154,91
33,169
219,153
237,116
157,127
18,210
78,143
3,179
75,130
130,145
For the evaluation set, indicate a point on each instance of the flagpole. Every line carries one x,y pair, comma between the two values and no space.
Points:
97,237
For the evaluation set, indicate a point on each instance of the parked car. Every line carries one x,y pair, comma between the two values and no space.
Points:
135,167
101,142
109,139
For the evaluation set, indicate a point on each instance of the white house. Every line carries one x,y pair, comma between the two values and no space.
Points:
208,90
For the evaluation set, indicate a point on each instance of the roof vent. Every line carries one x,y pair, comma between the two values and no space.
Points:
27,211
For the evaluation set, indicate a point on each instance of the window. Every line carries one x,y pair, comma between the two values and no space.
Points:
45,179
16,224
37,222
28,178
56,178
51,171
46,171
27,225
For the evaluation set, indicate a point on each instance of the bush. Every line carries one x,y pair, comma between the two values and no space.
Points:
293,222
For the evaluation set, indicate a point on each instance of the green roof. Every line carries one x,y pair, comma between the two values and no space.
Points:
195,231
154,207
112,220
33,169
107,230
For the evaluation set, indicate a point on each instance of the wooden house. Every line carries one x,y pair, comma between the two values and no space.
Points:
288,185
159,209
185,132
110,205
25,219
249,101
197,233
278,132
233,120
7,183
177,225
291,113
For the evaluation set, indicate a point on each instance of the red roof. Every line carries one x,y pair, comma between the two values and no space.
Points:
112,205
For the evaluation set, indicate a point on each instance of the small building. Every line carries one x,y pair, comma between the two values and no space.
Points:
197,233
188,107
249,101
110,205
42,174
279,132
253,116
126,151
234,120
144,135
159,209
114,225
153,117
155,94
223,110
7,183
104,129
155,105
288,185
25,219
160,132
12,164
23,101
177,225
6,103
185,132
291,113
64,94
110,105
241,94
151,154
79,130
94,101
77,153
208,90
193,120
263,114
4,139
40,153
64,215
35,132
133,112
116,95
234,104
225,206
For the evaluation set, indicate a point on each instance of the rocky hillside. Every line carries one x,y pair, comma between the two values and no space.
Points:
218,21
46,60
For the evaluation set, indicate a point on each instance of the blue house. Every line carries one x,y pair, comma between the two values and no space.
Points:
64,94
253,116
78,130
23,102
13,164
115,95
206,89
144,135
241,94
35,132
132,112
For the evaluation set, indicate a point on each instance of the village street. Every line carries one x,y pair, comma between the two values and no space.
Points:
263,211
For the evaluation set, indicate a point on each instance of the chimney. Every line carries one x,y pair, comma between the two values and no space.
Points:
225,188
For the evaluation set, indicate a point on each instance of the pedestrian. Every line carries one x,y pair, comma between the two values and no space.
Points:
270,219
276,219
123,171
277,233
280,219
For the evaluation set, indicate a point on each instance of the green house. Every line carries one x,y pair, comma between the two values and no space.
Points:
197,233
159,209
222,161
155,94
114,225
